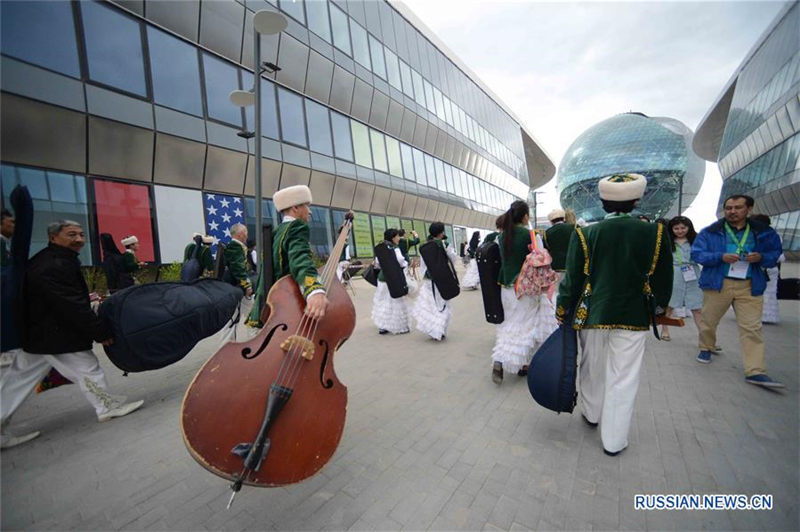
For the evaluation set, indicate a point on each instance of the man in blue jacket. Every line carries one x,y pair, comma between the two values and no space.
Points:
734,253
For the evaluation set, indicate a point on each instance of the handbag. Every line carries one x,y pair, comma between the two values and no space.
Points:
536,276
370,275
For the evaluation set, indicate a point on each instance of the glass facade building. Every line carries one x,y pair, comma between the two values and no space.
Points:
751,131
118,114
658,148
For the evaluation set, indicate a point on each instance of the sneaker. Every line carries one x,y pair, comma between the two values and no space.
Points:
383,331
120,411
762,379
704,357
497,373
614,453
8,441
717,350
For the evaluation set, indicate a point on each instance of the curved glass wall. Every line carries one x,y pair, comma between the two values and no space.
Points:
658,148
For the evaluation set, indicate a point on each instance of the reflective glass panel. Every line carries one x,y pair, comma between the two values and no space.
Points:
393,69
293,124
429,100
419,167
319,128
269,108
419,90
360,45
378,151
176,72
268,214
56,196
363,155
341,32
405,76
408,161
41,33
430,169
393,155
342,143
318,20
441,182
376,53
221,79
321,232
113,48
124,209
294,8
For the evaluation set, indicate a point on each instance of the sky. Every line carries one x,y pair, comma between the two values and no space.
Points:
562,67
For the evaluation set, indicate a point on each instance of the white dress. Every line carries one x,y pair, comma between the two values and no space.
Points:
771,313
528,322
388,313
471,278
432,314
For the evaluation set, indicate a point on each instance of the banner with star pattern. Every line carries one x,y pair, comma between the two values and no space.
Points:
221,213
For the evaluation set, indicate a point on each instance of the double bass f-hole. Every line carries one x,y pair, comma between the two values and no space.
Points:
246,351
325,383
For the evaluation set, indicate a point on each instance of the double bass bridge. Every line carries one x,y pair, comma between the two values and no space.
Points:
305,346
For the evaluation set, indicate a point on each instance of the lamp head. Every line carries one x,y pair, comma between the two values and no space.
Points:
268,22
241,98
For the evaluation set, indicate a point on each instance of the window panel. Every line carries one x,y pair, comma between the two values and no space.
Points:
429,99
292,121
405,77
221,79
393,155
360,45
376,53
342,143
437,99
419,88
175,72
319,128
124,209
294,8
363,155
378,151
441,182
419,167
431,171
408,161
321,231
113,48
448,174
318,19
393,69
341,31
56,196
42,33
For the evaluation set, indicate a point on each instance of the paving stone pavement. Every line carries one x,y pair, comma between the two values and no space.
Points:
431,443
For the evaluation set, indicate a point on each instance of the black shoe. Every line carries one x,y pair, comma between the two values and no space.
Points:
383,331
523,372
609,453
593,425
497,373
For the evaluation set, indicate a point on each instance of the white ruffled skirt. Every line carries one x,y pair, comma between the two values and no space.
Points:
471,279
432,314
528,322
771,312
390,314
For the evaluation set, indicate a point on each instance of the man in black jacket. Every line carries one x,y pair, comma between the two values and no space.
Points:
58,329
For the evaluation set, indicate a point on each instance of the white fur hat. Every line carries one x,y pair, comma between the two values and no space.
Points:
556,213
128,240
291,196
622,187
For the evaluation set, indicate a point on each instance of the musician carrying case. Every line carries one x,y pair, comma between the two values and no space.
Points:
392,272
553,370
488,258
157,324
440,269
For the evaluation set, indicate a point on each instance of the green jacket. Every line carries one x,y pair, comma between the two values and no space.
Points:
236,264
404,244
204,256
511,264
129,261
607,274
556,240
291,255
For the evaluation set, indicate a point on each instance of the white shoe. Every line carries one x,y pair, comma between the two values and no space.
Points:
8,441
120,411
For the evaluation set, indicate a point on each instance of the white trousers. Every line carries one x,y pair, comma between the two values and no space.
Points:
611,360
81,367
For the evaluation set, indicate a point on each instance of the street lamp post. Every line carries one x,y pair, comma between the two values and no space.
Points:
265,22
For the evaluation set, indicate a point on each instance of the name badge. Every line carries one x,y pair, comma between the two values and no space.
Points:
738,270
688,273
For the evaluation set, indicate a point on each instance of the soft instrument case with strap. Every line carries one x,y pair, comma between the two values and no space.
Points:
488,258
393,274
553,370
441,270
157,324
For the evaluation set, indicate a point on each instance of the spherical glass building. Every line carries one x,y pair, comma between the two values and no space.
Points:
658,148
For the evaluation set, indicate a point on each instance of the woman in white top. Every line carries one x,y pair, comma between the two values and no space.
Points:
390,315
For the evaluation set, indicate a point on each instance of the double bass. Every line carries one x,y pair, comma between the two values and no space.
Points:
270,411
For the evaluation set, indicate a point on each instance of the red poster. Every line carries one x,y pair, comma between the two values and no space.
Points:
123,210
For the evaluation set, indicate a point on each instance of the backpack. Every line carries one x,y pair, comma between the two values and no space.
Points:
157,324
192,269
536,277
